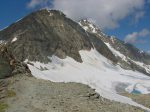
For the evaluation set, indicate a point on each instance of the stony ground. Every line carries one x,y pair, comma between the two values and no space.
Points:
140,98
28,94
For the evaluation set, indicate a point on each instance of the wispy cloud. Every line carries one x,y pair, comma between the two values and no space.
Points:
148,52
138,16
106,13
39,3
148,1
133,37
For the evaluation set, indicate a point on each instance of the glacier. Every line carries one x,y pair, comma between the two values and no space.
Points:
96,71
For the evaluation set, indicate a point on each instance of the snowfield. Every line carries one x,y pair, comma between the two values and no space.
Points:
95,71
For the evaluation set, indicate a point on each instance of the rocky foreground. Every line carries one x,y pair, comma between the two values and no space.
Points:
143,99
24,93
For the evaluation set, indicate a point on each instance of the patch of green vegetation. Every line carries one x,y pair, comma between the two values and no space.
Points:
11,93
3,106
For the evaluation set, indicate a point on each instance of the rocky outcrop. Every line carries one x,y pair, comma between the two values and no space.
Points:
9,65
3,89
5,68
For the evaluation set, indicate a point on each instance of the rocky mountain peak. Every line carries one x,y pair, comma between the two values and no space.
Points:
89,26
44,33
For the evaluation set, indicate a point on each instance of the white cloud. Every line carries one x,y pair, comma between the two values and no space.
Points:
144,32
138,16
35,3
106,13
148,1
133,37
148,52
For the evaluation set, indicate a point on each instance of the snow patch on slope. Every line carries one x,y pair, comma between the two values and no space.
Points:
50,13
95,71
116,53
89,26
14,39
1,41
94,29
147,67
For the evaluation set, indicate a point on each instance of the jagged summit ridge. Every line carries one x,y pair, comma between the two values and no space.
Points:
89,26
123,47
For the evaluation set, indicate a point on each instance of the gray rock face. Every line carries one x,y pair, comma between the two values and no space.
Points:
9,66
45,33
5,68
102,48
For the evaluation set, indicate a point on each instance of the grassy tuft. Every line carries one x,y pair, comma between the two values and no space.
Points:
11,93
3,106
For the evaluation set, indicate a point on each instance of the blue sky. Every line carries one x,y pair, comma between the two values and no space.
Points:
127,27
128,19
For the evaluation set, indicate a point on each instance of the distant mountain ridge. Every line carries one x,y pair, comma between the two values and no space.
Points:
128,56
121,46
